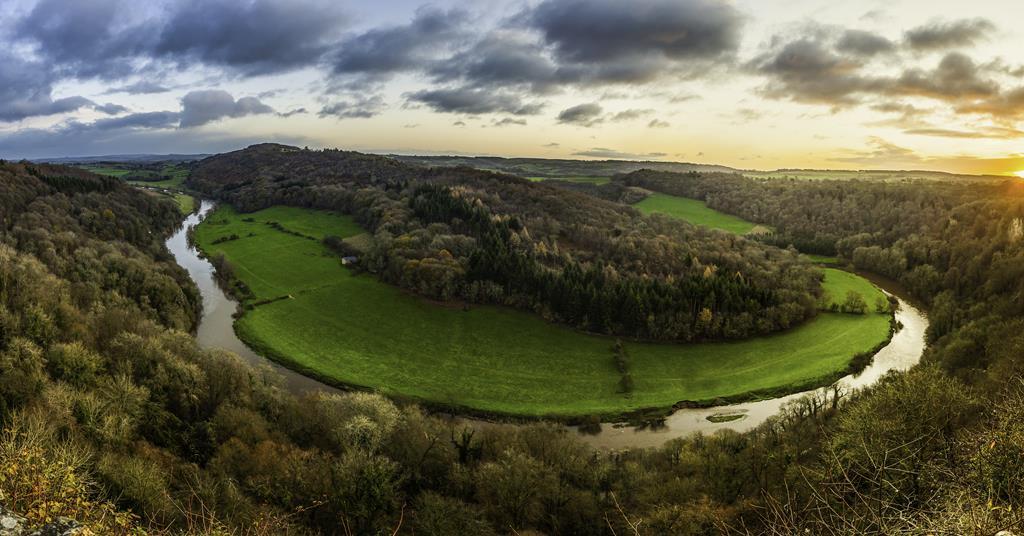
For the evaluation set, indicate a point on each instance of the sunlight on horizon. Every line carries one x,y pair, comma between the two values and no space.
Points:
1020,174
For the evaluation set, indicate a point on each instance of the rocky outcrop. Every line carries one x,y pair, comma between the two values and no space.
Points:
12,524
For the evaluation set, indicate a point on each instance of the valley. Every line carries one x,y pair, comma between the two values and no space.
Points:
318,317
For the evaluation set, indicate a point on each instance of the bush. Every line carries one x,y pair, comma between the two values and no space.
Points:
73,363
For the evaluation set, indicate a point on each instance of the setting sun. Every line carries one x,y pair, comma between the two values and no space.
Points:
1020,173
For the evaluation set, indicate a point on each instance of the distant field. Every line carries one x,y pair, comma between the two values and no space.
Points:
186,203
591,180
177,175
693,211
838,283
353,329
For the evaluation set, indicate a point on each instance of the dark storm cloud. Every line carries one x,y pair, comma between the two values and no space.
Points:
86,39
950,34
596,42
862,43
205,106
474,101
400,48
584,115
26,90
956,77
358,108
807,70
614,41
145,120
254,37
502,59
812,69
111,39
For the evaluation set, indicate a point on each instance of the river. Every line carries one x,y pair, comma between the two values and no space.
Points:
216,330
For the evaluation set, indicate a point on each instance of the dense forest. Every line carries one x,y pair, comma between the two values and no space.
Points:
112,415
482,237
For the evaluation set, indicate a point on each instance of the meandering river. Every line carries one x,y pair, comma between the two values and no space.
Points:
216,330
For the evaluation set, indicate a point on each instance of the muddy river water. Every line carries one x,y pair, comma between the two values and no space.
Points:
215,331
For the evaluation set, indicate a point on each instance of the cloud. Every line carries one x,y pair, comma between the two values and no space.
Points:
142,87
502,58
584,115
509,121
809,69
862,43
950,34
658,123
582,43
361,108
253,37
882,151
609,41
612,154
984,133
296,111
86,39
551,145
110,108
473,101
111,39
144,120
1006,105
956,77
806,70
400,48
26,90
631,114
205,106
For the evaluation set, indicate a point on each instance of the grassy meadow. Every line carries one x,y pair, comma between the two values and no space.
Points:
693,211
352,329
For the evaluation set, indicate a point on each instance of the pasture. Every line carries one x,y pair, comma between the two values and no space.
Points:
352,329
693,211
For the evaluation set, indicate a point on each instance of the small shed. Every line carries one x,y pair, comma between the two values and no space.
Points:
349,260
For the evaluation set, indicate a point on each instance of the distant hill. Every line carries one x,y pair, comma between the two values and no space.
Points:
140,158
553,168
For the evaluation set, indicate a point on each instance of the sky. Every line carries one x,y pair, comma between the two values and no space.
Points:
753,84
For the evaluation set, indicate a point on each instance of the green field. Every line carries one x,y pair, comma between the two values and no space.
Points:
353,329
177,175
695,212
838,283
186,203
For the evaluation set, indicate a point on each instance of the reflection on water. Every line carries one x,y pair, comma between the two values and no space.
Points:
216,331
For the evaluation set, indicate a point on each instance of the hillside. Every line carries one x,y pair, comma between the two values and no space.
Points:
462,234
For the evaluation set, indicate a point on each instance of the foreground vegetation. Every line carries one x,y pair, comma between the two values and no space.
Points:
310,312
112,414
